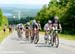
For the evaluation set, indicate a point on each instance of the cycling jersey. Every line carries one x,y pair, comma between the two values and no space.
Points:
35,25
56,25
39,26
47,26
20,26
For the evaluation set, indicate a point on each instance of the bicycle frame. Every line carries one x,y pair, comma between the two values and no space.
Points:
54,37
35,35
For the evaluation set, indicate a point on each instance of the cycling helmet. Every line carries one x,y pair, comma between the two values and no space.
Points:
28,23
38,21
49,21
56,18
34,21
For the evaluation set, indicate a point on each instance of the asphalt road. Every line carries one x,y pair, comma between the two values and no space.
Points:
13,45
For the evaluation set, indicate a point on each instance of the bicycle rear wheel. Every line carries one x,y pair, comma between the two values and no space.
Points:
35,39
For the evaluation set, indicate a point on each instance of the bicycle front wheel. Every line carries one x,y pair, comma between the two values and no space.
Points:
56,41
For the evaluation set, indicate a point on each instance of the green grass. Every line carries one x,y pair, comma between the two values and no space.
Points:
67,37
42,33
3,35
64,36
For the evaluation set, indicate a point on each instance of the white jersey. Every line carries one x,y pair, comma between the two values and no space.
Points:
47,27
55,26
39,26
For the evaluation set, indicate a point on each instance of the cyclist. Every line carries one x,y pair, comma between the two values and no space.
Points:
4,29
34,25
10,28
56,24
39,25
39,28
56,27
28,30
48,29
20,28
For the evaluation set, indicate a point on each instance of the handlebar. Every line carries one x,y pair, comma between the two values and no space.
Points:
58,30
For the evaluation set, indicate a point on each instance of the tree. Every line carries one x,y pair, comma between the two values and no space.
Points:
3,19
64,9
1,16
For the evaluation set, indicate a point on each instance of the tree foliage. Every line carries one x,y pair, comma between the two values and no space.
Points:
3,19
22,20
1,16
64,9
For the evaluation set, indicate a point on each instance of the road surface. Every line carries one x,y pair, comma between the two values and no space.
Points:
13,45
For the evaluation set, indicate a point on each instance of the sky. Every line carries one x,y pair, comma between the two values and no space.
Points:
25,2
29,3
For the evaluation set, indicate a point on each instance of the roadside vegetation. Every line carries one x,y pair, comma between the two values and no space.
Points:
67,37
3,21
65,10
3,34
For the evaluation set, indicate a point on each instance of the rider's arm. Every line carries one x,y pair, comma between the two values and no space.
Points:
44,27
40,26
60,26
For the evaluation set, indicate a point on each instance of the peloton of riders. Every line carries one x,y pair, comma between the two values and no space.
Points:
35,27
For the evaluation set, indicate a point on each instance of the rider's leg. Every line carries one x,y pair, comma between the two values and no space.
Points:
30,33
38,35
27,34
19,34
46,37
32,36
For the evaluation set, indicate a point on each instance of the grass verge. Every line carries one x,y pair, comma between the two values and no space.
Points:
64,36
3,34
67,37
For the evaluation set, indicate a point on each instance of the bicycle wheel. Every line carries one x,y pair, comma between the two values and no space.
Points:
46,39
35,39
52,42
31,39
56,41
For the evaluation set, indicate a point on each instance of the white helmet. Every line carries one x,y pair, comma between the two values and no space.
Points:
56,18
28,23
49,21
20,24
34,21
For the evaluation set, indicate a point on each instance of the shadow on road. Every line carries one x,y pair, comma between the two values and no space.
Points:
42,45
23,41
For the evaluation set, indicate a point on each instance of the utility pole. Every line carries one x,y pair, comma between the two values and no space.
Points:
19,14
